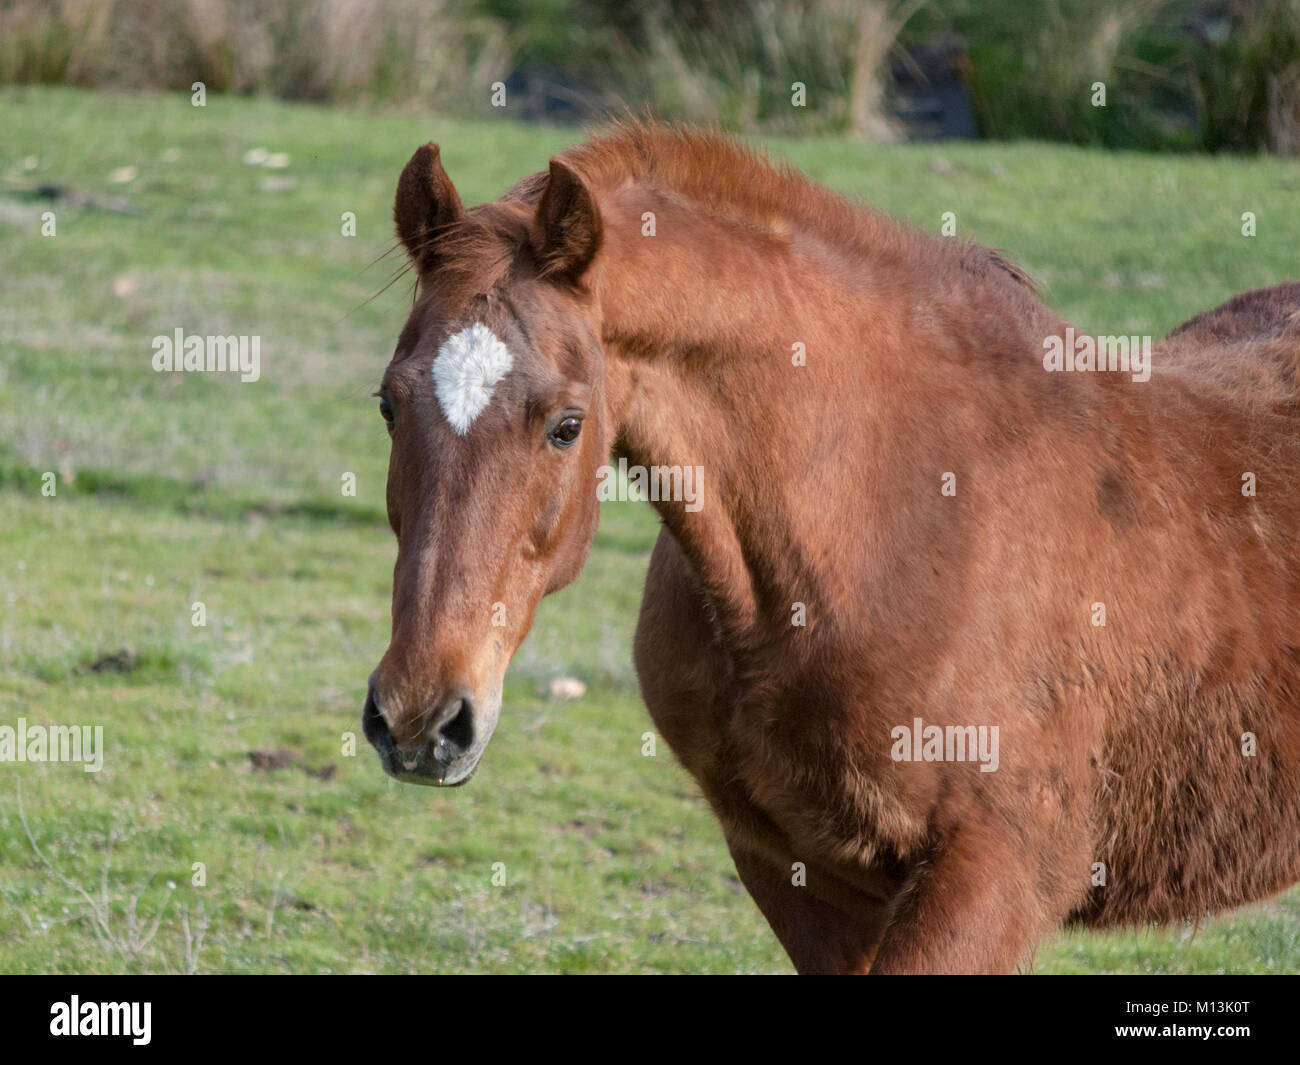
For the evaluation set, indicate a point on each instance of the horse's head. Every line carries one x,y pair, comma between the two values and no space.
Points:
496,410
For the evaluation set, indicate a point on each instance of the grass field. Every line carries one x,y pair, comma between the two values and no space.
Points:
173,489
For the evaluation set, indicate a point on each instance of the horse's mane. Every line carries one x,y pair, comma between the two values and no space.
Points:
709,167
716,172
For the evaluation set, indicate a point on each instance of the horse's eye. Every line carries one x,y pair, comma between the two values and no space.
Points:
386,409
566,432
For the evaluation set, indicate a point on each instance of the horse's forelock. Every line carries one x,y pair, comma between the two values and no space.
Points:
478,253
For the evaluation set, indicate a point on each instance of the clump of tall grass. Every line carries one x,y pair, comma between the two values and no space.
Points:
1245,76
1074,77
741,66
428,52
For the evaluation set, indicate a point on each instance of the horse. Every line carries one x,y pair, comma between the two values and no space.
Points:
960,646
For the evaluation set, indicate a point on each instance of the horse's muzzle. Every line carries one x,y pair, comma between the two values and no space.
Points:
444,755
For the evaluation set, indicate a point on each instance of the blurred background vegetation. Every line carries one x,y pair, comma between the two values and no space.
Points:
1207,75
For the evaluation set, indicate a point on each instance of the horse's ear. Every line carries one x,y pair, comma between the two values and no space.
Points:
426,204
566,231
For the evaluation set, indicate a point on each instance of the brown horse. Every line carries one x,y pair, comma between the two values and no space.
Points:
958,647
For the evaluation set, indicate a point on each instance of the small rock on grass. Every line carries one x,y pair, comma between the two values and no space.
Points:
562,689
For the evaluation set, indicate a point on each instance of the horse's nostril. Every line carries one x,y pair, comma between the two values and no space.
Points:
374,726
457,733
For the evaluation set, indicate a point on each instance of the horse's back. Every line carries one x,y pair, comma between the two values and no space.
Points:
1245,353
1260,314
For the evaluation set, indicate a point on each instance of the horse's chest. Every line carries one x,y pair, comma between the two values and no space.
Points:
769,750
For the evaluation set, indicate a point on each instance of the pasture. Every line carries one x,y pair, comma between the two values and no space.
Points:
185,488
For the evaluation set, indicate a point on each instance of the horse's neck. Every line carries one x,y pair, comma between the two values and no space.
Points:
796,383
730,357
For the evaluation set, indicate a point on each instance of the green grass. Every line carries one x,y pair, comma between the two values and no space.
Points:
172,490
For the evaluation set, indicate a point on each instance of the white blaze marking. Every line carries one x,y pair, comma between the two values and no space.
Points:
465,372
